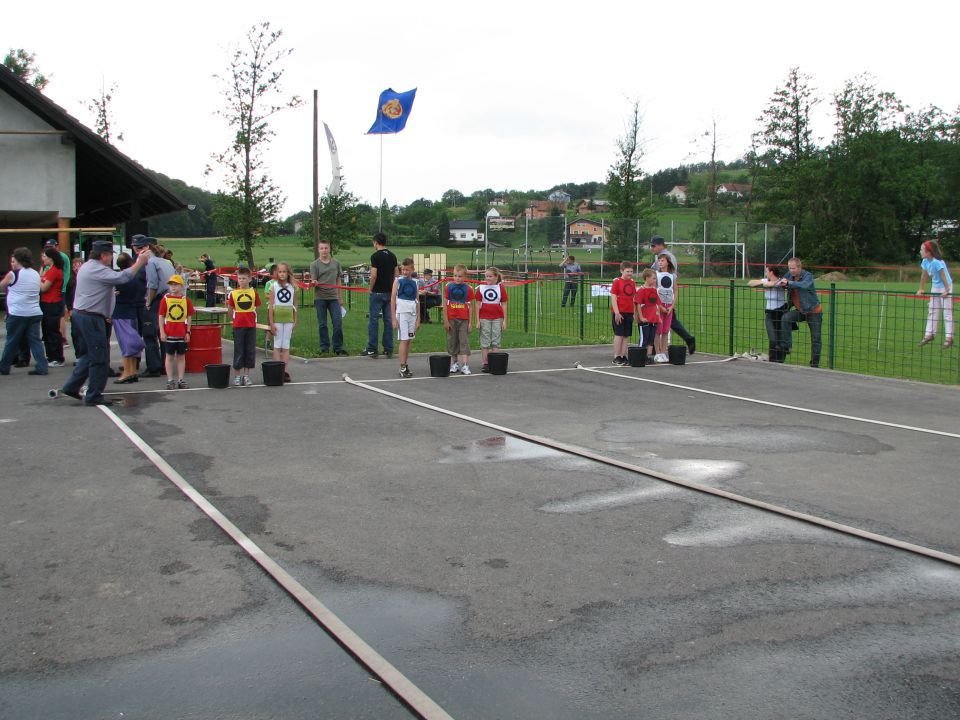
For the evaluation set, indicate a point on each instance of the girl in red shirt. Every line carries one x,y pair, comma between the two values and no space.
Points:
51,304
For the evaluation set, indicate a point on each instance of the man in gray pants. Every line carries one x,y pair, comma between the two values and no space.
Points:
659,248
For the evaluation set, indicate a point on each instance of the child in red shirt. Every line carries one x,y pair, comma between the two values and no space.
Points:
648,310
243,303
622,295
458,320
174,322
491,312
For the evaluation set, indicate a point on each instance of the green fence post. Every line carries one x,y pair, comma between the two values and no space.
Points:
582,308
526,303
733,313
833,323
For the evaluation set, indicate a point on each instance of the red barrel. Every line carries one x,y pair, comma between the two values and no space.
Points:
205,348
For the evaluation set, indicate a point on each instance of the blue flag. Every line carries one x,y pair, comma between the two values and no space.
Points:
392,112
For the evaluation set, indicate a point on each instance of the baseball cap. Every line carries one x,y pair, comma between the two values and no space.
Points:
101,246
656,240
139,241
175,279
50,242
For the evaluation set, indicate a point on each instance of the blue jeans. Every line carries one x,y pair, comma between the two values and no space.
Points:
333,307
814,322
380,305
19,327
94,363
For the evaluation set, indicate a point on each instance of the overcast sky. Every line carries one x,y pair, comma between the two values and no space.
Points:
511,95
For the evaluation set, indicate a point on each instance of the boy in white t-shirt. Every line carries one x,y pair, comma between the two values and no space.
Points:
405,308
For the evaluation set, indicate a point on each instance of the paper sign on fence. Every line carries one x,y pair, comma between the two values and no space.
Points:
600,290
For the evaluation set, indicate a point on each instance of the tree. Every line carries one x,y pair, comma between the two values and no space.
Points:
452,198
100,107
786,152
625,189
442,231
23,65
338,220
252,85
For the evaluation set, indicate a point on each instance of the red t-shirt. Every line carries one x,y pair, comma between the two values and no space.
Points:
55,293
458,297
174,311
244,304
647,300
491,297
625,290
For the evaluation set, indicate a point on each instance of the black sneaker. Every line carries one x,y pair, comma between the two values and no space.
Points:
691,345
369,353
151,374
340,352
99,401
388,354
72,393
484,368
405,372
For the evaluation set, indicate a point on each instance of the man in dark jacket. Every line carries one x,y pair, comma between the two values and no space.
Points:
802,294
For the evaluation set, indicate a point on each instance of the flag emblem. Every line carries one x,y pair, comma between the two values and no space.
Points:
392,109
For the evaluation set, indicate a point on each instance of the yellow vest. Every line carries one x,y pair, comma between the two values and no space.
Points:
244,300
176,309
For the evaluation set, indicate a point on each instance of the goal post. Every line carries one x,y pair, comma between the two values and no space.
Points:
736,251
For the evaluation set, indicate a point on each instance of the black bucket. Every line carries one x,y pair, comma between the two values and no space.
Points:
440,365
218,376
272,372
637,356
776,354
677,354
497,362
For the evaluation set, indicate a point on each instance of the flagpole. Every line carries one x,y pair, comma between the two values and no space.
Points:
380,205
316,181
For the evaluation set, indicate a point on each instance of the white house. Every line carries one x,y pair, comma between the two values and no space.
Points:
465,231
559,196
678,193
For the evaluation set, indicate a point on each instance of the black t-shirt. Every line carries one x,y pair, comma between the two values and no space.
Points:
386,264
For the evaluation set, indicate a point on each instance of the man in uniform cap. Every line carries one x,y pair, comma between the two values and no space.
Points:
658,246
158,274
92,309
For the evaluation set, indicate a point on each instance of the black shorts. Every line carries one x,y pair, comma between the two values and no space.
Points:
624,328
175,346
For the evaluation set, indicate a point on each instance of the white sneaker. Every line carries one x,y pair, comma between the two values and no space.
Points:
465,370
237,381
661,358
246,380
454,368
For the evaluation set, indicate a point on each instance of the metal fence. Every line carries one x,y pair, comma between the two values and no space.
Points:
864,331
872,332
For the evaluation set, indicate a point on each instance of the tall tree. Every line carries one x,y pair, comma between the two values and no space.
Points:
787,152
251,202
338,220
24,66
103,115
625,189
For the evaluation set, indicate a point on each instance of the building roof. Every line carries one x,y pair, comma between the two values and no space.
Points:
465,224
111,188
